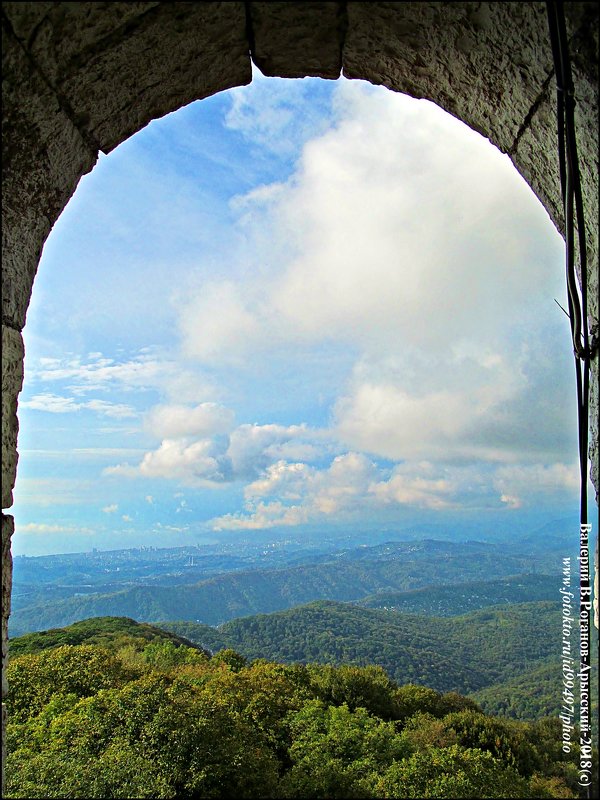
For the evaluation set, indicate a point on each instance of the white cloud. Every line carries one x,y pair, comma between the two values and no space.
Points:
81,453
294,450
474,404
304,494
218,326
407,237
253,447
264,516
354,488
385,235
416,490
51,403
287,481
274,114
191,464
126,518
150,369
54,404
520,484
390,421
212,461
511,500
100,452
172,528
176,421
43,528
47,492
117,410
397,235
111,509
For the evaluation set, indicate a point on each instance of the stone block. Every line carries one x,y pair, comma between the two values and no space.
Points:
12,381
434,50
62,36
295,40
148,66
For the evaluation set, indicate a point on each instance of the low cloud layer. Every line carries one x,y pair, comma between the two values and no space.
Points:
354,489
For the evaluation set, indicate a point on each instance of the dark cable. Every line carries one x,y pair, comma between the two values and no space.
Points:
572,199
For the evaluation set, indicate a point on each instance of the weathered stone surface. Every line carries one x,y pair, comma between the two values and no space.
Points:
63,36
180,52
24,18
44,157
586,121
285,46
12,381
7,532
8,527
120,65
455,55
582,20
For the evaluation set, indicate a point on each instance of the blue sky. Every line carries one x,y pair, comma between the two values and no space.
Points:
295,305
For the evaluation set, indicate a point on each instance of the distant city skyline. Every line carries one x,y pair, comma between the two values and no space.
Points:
295,305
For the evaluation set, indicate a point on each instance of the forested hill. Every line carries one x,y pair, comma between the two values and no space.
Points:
507,654
505,657
463,654
109,632
348,576
460,598
139,718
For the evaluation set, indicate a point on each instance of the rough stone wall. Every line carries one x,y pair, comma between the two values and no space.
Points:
82,77
7,532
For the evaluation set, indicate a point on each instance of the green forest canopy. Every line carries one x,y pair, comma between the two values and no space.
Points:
140,717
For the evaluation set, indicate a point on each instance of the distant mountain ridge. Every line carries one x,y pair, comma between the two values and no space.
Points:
461,598
347,576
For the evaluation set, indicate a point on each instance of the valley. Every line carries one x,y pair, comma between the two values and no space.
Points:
212,585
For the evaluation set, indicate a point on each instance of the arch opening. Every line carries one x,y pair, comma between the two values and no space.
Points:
377,257
79,79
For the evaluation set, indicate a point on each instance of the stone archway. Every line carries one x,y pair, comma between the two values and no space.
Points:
79,78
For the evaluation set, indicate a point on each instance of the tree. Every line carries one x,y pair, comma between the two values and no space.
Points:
336,752
357,687
423,730
81,670
504,739
233,659
412,698
452,701
451,772
164,655
150,738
